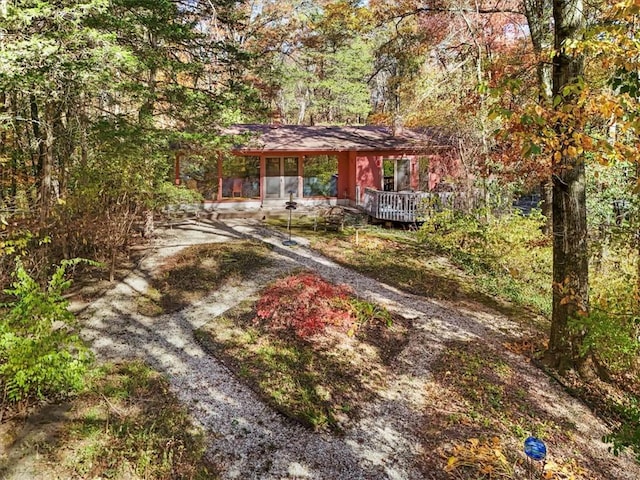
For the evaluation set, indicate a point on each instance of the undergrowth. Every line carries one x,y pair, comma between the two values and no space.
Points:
508,255
128,425
41,354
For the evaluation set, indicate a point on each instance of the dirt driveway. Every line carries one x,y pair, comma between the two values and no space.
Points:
248,438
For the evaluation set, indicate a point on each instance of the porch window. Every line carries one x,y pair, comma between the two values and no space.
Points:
320,176
282,176
241,177
396,174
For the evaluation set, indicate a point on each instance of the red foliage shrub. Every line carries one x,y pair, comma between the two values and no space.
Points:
305,304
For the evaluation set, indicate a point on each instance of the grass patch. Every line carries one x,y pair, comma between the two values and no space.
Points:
423,263
482,407
130,425
320,379
126,425
198,270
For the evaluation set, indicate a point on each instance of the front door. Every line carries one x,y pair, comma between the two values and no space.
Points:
396,175
281,177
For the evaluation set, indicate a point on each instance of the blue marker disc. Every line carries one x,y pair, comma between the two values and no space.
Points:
535,448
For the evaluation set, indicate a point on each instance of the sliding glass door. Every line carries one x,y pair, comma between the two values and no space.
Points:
281,177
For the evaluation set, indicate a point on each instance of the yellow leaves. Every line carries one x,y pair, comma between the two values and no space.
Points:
565,300
558,471
557,156
484,456
609,109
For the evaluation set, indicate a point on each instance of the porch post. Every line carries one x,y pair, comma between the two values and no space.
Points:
219,165
353,177
263,183
301,176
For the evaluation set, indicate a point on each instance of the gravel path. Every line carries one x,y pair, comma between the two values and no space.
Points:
252,441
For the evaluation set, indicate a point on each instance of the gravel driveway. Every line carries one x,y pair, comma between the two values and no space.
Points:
249,440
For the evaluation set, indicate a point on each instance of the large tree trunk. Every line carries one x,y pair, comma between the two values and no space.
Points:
570,255
570,266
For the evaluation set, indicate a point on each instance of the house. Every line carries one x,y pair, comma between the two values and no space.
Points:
348,165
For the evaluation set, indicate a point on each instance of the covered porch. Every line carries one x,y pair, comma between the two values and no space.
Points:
256,180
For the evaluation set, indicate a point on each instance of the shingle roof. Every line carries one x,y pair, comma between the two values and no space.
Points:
332,138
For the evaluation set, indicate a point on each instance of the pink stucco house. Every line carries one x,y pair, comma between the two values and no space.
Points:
349,165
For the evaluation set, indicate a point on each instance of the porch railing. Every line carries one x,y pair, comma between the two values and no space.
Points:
406,207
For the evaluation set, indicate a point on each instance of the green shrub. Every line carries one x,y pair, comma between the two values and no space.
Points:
627,435
509,254
41,354
610,338
612,326
170,194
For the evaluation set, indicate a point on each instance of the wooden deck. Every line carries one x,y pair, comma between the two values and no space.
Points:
402,207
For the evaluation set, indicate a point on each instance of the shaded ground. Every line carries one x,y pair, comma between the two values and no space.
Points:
450,390
126,424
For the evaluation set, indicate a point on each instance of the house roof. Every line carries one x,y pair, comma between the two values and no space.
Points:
332,138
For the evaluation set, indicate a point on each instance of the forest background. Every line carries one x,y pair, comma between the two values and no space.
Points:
96,96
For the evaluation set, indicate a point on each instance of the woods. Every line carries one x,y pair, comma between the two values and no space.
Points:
99,97
93,96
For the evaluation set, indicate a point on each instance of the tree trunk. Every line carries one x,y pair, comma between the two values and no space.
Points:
302,112
546,205
3,147
539,18
570,255
570,266
37,135
46,170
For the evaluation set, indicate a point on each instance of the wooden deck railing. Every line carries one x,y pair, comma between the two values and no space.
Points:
406,207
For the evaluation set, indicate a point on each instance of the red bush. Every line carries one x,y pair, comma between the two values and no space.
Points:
305,304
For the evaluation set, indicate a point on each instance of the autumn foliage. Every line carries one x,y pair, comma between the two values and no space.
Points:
305,304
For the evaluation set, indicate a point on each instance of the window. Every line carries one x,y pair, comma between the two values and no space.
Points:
396,174
321,176
241,177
